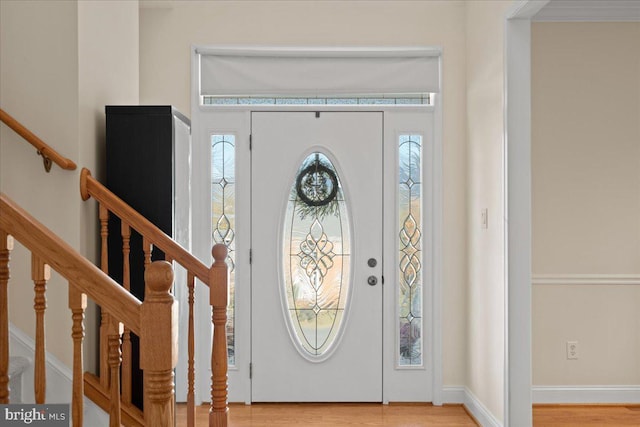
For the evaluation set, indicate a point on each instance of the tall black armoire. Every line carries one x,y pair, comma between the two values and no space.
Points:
148,155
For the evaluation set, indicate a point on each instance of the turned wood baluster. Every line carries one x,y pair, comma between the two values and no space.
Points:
77,304
6,245
218,296
115,359
147,247
40,273
159,345
126,337
103,214
104,321
172,292
191,400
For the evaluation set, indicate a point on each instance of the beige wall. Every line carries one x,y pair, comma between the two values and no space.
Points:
166,35
586,200
108,74
60,62
485,118
38,86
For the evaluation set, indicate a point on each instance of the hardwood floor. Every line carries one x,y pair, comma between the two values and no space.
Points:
335,415
585,415
404,415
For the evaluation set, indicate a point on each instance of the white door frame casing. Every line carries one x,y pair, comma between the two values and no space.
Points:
517,140
201,240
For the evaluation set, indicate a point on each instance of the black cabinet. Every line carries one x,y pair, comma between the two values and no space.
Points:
147,154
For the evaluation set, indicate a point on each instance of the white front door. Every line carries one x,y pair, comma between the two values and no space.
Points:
316,287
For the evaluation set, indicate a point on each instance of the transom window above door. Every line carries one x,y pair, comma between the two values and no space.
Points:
293,76
388,99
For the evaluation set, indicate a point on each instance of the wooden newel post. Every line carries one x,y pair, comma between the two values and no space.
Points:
218,297
159,345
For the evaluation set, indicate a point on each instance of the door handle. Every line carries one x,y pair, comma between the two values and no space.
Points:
372,280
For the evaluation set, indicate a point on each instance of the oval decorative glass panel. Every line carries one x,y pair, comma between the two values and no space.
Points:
316,262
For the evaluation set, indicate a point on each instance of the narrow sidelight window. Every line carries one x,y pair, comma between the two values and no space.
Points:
410,250
223,221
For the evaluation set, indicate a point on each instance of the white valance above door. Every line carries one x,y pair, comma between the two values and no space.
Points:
318,72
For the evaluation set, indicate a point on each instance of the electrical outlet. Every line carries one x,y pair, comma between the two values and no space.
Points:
572,350
484,218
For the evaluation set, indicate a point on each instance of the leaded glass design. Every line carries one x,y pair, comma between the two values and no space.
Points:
389,99
410,249
316,261
223,208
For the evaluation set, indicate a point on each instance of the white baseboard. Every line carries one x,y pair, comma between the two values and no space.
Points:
462,395
479,411
587,394
623,394
453,394
59,379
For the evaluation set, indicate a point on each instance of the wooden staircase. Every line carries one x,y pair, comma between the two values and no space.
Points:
154,320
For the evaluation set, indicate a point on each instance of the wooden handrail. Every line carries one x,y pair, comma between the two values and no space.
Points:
155,320
48,154
90,187
70,264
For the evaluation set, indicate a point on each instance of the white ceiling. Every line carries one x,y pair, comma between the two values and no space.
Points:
590,10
